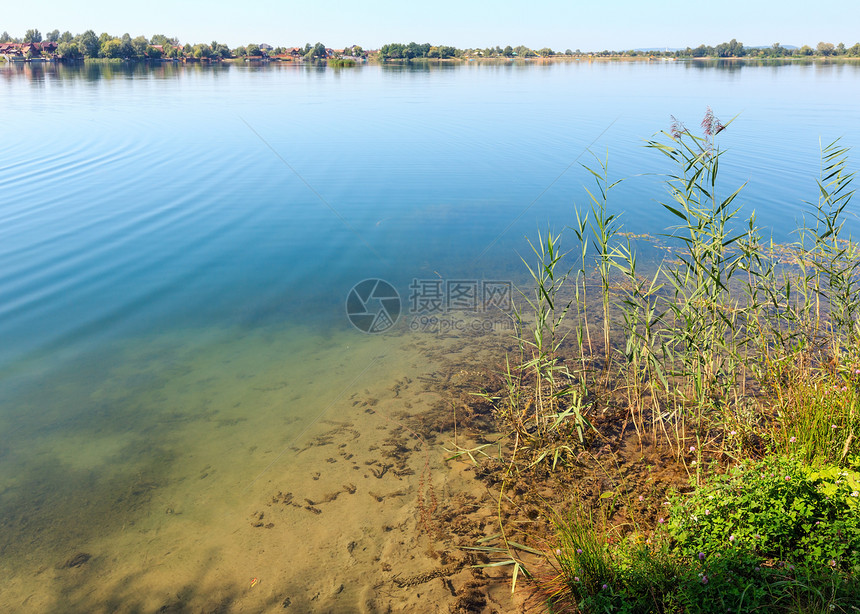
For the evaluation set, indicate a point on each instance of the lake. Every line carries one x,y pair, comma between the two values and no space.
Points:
201,404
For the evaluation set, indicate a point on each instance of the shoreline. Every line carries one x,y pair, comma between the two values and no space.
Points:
337,63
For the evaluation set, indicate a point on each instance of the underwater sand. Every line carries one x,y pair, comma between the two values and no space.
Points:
170,475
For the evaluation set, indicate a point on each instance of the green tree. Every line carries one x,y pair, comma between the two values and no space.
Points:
140,46
545,52
392,51
253,50
66,37
69,51
220,50
508,51
88,44
732,49
202,51
523,51
825,49
52,36
854,51
736,48
701,51
446,51
111,49
805,50
154,52
5,38
127,50
316,52
103,38
160,39
33,36
840,49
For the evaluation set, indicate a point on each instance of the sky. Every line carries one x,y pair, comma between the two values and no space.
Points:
559,24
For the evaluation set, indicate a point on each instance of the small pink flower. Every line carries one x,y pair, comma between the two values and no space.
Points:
660,520
733,433
704,579
707,512
692,449
833,563
788,478
731,538
792,440
576,578
833,426
641,498
558,551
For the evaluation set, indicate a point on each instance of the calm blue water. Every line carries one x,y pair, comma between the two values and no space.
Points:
135,199
164,227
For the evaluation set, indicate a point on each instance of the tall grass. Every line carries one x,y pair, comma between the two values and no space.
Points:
732,344
706,340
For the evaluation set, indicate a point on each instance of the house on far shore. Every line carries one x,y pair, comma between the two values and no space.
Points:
23,52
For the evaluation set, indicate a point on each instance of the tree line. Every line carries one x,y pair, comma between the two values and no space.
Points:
730,49
90,45
735,49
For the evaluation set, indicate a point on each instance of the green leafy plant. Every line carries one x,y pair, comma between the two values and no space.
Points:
639,576
778,508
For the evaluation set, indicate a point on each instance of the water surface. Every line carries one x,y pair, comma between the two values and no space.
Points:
176,247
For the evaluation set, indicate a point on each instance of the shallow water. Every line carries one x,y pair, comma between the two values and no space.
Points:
177,247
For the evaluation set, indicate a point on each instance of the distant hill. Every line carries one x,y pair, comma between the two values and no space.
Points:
789,47
665,49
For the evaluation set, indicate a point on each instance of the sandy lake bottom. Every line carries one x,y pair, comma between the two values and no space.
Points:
245,471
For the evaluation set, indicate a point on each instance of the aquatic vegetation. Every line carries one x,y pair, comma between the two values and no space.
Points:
731,352
779,509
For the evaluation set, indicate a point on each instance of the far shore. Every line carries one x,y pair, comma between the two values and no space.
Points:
462,60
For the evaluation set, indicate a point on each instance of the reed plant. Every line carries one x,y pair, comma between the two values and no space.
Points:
725,308
542,403
732,348
604,227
